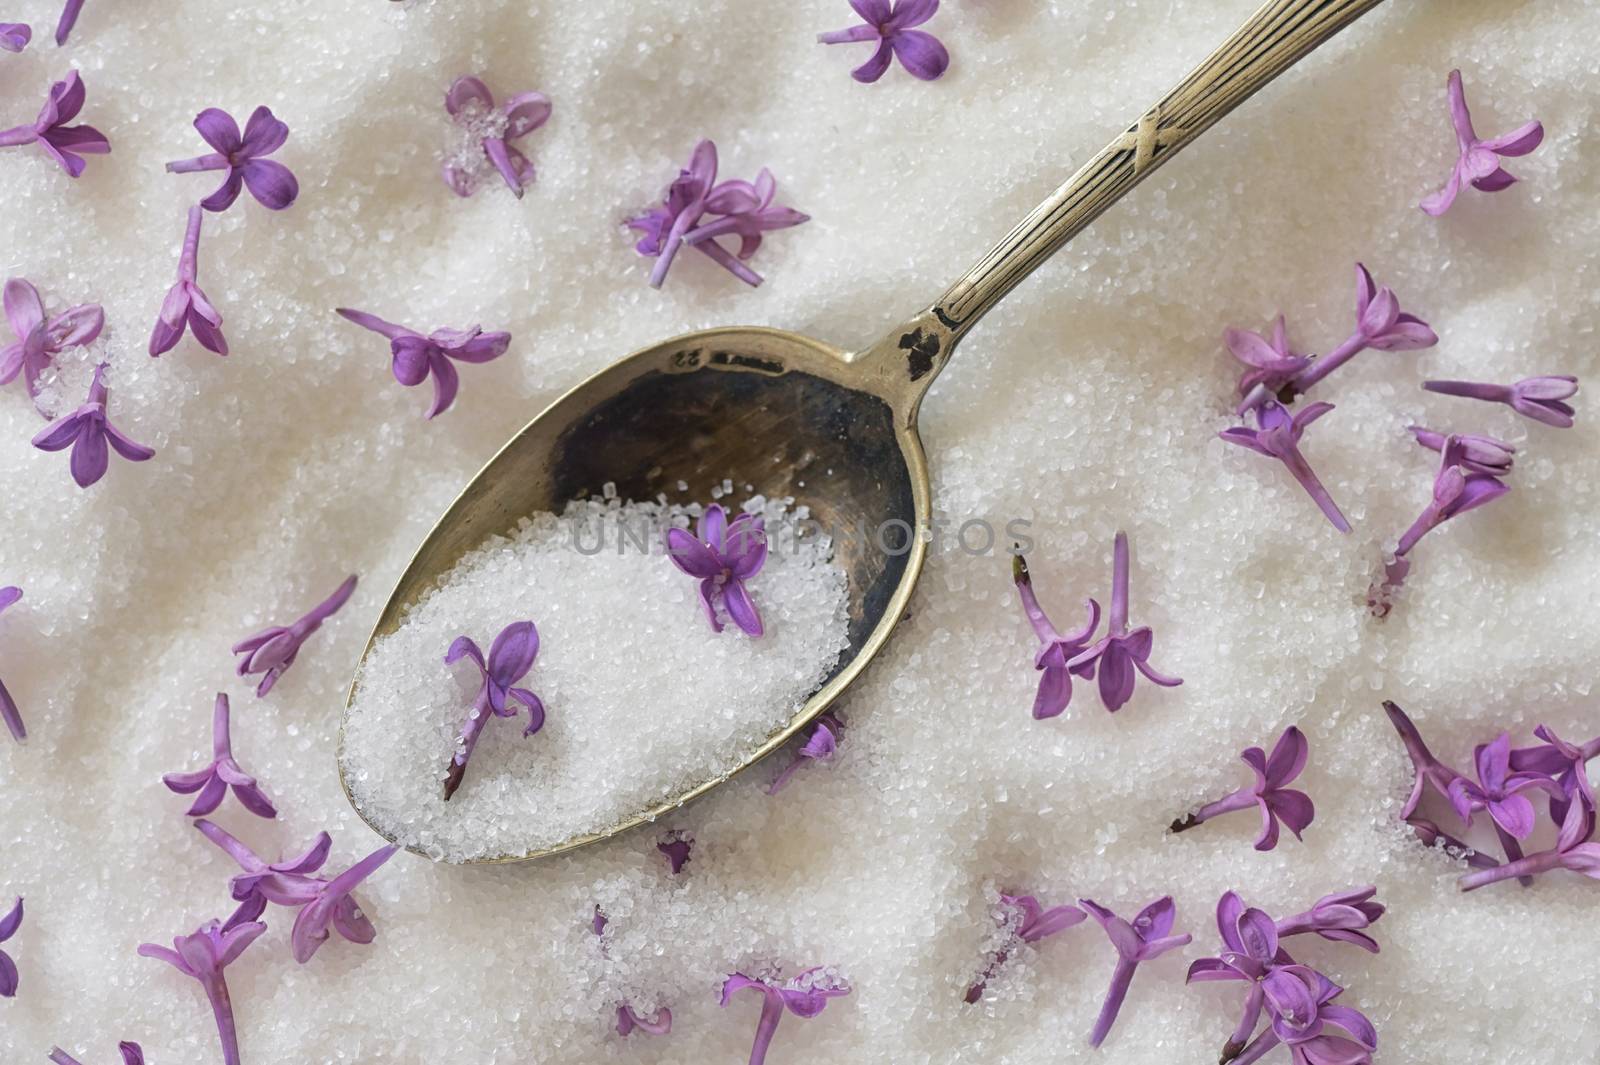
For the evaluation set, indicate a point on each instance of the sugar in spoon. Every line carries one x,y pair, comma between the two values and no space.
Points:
775,409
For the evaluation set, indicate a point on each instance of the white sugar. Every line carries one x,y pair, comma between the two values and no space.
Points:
644,700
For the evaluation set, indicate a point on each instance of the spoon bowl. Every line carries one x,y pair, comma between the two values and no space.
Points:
794,417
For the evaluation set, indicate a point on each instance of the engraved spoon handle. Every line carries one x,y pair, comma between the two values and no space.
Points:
1276,37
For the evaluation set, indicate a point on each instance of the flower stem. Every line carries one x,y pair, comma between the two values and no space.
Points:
1120,979
213,161
1264,1044
1469,390
1119,585
1247,1024
222,1009
1242,799
469,739
766,1027
188,262
1330,362
1542,862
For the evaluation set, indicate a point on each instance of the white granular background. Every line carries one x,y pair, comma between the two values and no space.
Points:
1087,403
644,701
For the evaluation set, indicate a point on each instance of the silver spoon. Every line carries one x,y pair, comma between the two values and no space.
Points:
775,409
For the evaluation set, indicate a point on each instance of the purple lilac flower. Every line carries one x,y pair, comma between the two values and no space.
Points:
333,906
244,158
1540,398
822,745
213,781
69,19
14,36
1479,454
132,1054
287,882
1426,769
1499,791
1032,923
1148,936
675,847
1272,364
510,656
1339,917
1456,490
8,706
920,52
746,209
1478,161
1119,652
41,339
67,145
1574,850
1275,801
203,956
272,651
1055,680
415,357
8,968
87,431
1567,763
1250,951
804,996
1298,999
723,555
186,306
1277,435
471,104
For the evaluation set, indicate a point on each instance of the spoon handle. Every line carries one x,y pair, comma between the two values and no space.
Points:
1276,37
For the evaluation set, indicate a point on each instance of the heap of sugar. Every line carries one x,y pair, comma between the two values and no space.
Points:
643,699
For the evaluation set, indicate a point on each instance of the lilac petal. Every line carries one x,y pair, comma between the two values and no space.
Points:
713,527
132,1053
209,799
1519,141
465,92
1244,436
9,595
1156,919
410,359
1293,808
59,434
252,798
9,977
127,448
1230,909
513,651
1258,934
909,13
218,129
1289,757
690,555
1267,839
207,330
271,183
446,382
351,923
1493,762
876,12
499,154
1460,116
1055,692
1514,814
482,348
226,193
263,133
1116,677
187,783
11,921
874,68
1464,798
1496,180
1056,919
736,600
708,600
24,308
90,458
1439,202
922,54
1353,1021
535,709
526,112
14,36
77,326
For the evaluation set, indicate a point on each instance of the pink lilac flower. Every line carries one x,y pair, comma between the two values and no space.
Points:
186,307
1271,364
88,430
1147,936
746,211
1456,490
132,1054
1479,454
1298,1001
14,36
213,781
1277,435
273,650
39,338
822,745
415,357
1478,161
892,28
804,996
1250,951
1032,922
471,104
1540,398
244,158
1120,652
723,555
8,968
69,19
675,847
1055,679
203,956
1269,794
510,656
8,706
67,145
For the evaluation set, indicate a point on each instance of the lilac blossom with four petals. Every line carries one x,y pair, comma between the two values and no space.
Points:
1033,923
67,145
747,212
1499,792
41,338
14,36
334,907
1272,364
1147,936
9,713
821,747
243,156
1456,490
415,357
273,650
1277,435
9,977
675,847
723,555
68,19
1120,652
469,102
186,307
1478,160
213,781
203,956
1269,792
1298,1001
1478,454
804,996
1055,680
1541,398
88,431
132,1054
1250,951
1339,917
1565,762
893,28
510,656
